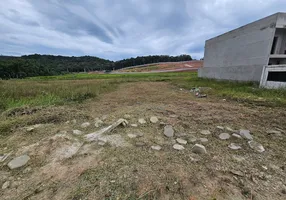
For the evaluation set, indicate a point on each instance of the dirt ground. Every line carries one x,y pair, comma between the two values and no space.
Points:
64,166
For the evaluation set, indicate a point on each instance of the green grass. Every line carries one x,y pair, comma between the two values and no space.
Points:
58,90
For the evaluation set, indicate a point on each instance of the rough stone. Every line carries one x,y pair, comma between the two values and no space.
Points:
134,125
130,135
178,147
220,127
205,132
142,121
229,129
192,139
157,147
6,185
203,140
256,146
77,132
274,132
234,146
237,173
236,136
154,120
199,149
224,136
85,125
98,123
245,134
18,162
126,116
168,131
181,141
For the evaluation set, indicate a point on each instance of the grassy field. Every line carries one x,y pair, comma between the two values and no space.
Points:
58,90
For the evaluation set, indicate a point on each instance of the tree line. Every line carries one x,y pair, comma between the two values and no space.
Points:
47,65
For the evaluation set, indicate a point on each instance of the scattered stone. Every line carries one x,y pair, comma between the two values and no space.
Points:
77,132
205,132
203,140
139,134
192,139
181,134
173,116
178,147
264,167
245,134
194,159
15,184
157,147
220,127
30,129
162,123
283,189
6,185
126,116
236,136
168,131
27,170
130,135
85,125
224,136
3,157
154,120
181,141
104,117
238,158
229,129
134,125
199,149
273,132
234,146
98,123
140,144
74,121
237,173
142,121
256,146
18,162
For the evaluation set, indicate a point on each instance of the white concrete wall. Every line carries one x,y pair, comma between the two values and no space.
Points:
242,52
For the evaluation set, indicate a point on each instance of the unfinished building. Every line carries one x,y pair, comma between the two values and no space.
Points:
254,52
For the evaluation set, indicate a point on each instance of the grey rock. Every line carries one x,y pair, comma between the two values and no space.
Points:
134,125
178,147
173,116
220,127
245,134
30,129
237,173
6,185
126,116
203,140
199,149
85,125
236,136
154,120
181,141
229,129
205,132
224,136
74,121
101,143
139,134
273,132
130,135
192,139
234,146
18,162
256,146
157,147
168,131
98,123
142,121
77,132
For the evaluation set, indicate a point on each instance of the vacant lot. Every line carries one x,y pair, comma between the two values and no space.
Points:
39,118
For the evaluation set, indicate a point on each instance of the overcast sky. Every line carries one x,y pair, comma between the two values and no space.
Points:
116,29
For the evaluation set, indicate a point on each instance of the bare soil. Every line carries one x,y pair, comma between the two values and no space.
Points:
64,166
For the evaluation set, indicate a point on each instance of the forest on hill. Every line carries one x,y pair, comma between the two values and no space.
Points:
47,65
